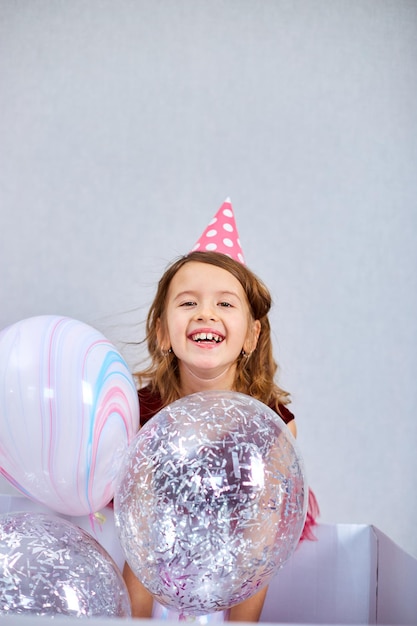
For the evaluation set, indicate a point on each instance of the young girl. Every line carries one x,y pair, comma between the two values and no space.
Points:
208,328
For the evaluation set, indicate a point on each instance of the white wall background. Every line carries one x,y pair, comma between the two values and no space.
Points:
123,126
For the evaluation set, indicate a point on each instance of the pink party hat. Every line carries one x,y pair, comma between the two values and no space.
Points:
221,234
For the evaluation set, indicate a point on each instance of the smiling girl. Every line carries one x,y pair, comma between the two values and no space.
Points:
208,328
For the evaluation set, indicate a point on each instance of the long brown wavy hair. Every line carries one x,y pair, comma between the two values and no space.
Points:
255,375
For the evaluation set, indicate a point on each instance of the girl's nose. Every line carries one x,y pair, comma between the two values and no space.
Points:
206,313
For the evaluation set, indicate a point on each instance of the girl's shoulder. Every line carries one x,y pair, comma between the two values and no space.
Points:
283,412
149,404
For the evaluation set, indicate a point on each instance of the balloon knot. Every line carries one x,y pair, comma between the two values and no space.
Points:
100,517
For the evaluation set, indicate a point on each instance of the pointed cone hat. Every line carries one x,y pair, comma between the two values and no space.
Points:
221,234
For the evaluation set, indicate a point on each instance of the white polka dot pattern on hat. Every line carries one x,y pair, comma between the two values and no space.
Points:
216,239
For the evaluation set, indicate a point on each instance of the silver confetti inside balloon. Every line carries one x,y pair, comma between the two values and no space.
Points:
49,566
211,501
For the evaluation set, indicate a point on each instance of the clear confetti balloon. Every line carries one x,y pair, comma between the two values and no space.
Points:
68,411
49,566
211,501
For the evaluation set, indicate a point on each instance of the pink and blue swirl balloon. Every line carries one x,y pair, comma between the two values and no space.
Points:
68,412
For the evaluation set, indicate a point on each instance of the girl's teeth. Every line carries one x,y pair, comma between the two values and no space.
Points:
206,337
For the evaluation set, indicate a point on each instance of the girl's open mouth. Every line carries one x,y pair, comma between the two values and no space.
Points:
207,338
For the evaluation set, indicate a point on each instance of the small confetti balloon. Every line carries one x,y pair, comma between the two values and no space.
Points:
211,501
49,566
68,411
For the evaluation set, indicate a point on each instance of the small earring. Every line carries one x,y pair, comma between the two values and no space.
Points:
166,352
244,354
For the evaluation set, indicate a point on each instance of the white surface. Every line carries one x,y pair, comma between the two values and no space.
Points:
330,580
123,127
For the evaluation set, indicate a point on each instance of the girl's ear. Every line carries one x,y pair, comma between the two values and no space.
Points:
161,336
252,337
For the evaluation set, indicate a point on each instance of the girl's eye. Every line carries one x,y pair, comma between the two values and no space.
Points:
188,303
225,304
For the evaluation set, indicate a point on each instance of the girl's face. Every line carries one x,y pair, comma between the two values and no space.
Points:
208,323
